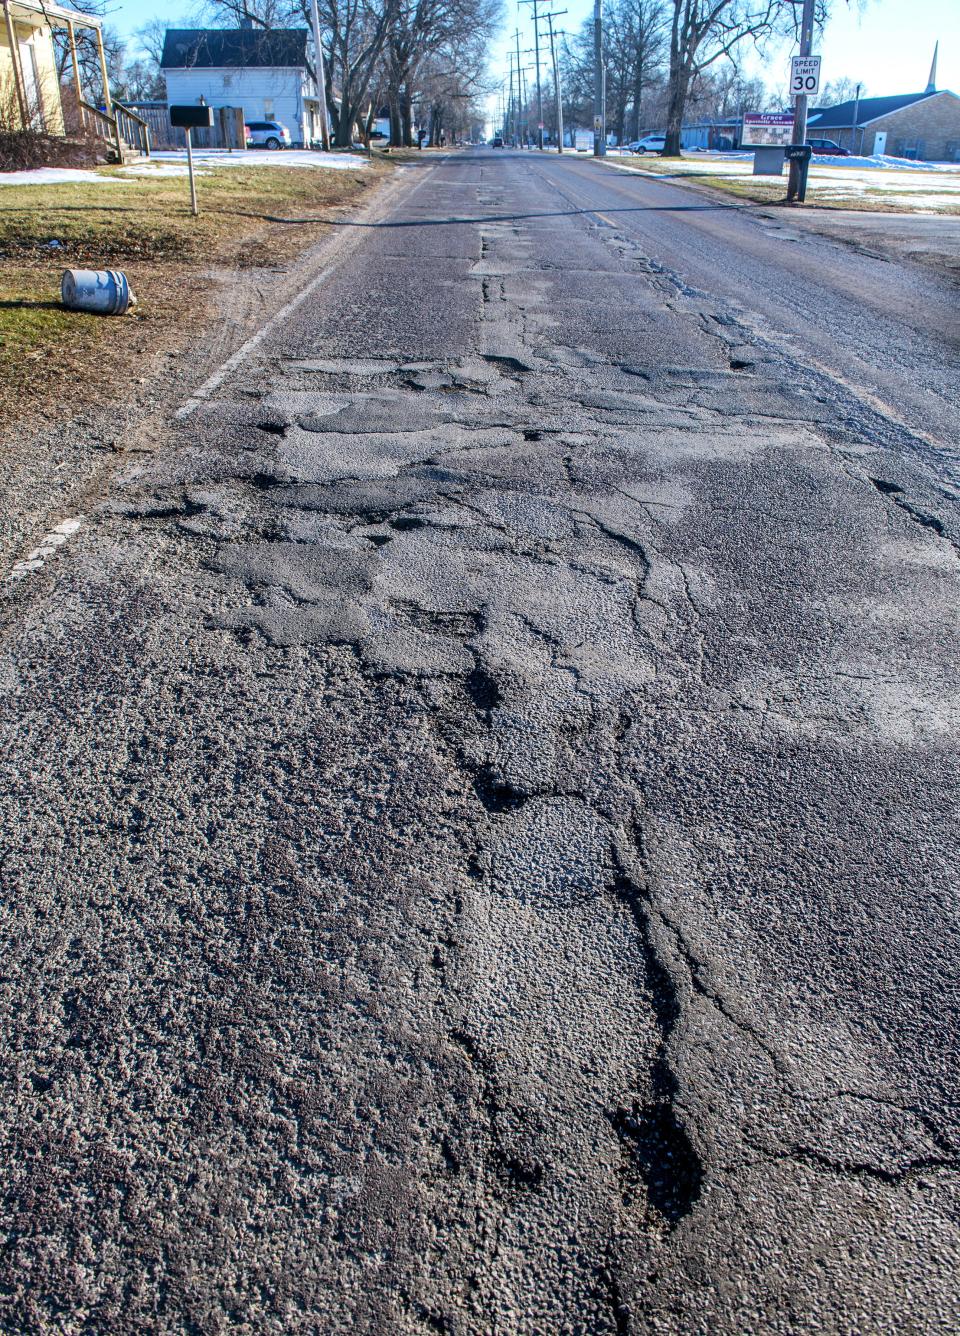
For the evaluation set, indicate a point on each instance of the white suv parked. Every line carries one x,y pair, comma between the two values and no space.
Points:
266,134
649,144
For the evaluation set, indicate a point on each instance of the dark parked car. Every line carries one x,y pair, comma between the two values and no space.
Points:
828,146
496,142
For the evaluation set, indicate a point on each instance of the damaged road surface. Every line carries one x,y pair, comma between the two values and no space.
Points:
480,805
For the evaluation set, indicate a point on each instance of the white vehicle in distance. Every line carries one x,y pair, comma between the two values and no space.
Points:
266,134
649,144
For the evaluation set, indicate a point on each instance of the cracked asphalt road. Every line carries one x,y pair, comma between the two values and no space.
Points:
480,802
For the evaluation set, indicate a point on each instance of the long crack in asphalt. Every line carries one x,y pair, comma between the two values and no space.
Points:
449,754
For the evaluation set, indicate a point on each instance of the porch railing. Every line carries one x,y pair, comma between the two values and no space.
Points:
133,128
124,128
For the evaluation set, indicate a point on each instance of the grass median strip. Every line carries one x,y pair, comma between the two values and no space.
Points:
832,185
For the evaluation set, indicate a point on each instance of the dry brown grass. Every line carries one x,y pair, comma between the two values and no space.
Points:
250,217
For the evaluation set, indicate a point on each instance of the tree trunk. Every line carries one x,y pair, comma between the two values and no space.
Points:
677,81
676,106
436,125
637,94
407,119
396,124
344,135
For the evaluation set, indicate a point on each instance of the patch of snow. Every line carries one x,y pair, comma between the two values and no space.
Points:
172,162
58,176
897,179
156,170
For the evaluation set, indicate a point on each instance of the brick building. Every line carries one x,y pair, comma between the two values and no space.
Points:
913,125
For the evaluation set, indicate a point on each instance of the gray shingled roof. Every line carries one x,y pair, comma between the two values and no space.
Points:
218,48
870,109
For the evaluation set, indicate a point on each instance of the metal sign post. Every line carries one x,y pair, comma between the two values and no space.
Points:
193,185
188,118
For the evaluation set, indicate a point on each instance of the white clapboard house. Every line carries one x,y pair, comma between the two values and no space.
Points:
265,73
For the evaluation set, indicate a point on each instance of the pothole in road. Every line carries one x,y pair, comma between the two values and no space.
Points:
497,795
659,1153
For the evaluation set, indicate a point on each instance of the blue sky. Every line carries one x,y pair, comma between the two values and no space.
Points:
885,44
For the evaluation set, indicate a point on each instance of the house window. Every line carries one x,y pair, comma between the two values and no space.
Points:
268,108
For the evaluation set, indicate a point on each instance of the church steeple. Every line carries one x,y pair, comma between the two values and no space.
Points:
932,81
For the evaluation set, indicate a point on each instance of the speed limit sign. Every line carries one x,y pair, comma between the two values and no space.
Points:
804,76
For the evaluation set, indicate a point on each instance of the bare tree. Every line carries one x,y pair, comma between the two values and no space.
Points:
634,52
263,13
721,92
634,37
148,45
358,31
423,29
141,82
453,82
705,31
150,38
576,76
840,90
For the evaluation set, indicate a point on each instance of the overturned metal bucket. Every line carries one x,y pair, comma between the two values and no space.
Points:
103,291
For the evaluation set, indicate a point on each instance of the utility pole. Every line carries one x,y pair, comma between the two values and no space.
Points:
519,77
797,181
526,106
599,110
511,119
551,15
536,56
856,120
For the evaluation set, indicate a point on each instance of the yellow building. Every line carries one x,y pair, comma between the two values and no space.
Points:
30,96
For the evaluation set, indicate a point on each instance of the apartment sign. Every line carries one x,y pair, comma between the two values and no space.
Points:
767,129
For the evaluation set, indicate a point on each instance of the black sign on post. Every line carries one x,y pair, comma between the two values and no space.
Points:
194,117
800,154
191,117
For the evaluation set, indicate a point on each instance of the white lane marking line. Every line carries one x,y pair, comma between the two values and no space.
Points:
47,546
219,376
214,381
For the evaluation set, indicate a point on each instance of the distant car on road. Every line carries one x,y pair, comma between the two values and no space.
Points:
649,144
266,134
828,146
496,142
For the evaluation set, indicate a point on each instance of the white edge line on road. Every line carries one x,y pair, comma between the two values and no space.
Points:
214,381
219,376
34,561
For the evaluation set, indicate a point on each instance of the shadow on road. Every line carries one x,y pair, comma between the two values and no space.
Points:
496,217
